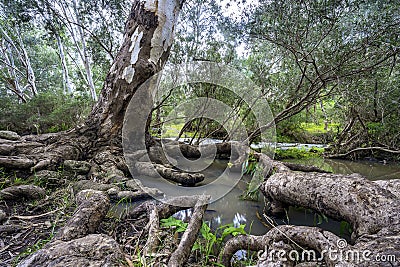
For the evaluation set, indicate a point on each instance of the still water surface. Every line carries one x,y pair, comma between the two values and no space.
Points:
231,209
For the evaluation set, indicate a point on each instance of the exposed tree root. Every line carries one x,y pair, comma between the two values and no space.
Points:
165,210
91,250
182,253
155,170
372,209
296,238
21,192
303,168
14,162
364,204
40,152
153,239
92,208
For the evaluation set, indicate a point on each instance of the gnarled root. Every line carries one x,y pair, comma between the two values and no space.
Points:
182,253
155,170
165,210
297,241
21,192
371,208
364,204
92,208
288,245
37,153
92,250
153,226
75,244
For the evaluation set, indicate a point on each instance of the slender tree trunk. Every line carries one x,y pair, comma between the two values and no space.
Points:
85,55
67,83
23,56
11,68
30,74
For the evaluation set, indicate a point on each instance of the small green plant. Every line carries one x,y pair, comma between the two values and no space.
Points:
4,178
319,218
251,167
172,222
18,181
209,242
35,247
345,228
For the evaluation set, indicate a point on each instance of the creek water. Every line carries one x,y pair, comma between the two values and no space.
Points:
232,210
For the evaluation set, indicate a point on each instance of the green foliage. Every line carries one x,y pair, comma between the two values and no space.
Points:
208,243
317,128
298,153
172,222
319,218
48,112
345,228
251,167
4,178
211,243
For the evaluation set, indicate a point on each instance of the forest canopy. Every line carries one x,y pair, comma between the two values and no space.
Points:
329,69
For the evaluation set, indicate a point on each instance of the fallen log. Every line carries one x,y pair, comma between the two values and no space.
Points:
344,155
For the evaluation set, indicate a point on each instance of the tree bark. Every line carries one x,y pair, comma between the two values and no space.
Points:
147,41
182,253
371,208
67,82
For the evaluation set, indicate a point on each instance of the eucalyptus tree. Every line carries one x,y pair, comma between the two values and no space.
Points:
318,48
17,72
86,33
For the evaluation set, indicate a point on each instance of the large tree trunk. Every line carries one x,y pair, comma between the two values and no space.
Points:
145,49
147,41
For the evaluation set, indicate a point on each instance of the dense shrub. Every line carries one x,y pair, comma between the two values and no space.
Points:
48,112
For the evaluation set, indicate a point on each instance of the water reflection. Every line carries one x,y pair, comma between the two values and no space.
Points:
232,210
373,170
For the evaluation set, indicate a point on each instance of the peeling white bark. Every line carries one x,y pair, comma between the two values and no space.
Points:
167,12
67,83
128,74
135,46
